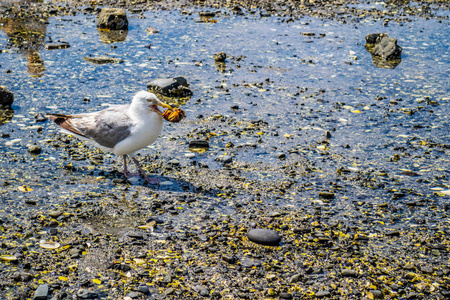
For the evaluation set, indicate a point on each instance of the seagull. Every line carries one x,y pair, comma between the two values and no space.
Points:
120,129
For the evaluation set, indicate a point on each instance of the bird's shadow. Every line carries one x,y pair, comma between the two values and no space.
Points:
168,184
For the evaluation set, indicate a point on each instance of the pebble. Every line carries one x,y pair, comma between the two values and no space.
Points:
86,294
264,237
279,155
349,273
426,270
34,149
57,46
284,295
326,195
174,162
322,294
41,292
143,289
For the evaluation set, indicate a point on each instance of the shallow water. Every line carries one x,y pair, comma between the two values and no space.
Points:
301,86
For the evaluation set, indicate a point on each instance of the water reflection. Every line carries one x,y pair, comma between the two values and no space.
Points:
28,36
112,36
6,114
385,64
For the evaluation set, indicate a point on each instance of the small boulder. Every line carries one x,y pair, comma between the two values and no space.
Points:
264,237
220,57
41,292
6,97
112,19
170,87
384,49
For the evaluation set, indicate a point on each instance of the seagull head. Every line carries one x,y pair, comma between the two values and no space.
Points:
149,100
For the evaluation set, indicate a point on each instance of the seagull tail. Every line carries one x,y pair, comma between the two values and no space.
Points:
64,122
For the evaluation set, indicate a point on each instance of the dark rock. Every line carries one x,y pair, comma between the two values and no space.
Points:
135,235
170,87
349,273
99,60
229,258
34,149
6,97
327,134
199,144
54,46
220,57
326,195
264,237
112,19
143,289
383,49
41,292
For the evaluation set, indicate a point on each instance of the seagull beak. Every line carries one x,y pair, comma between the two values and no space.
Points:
162,104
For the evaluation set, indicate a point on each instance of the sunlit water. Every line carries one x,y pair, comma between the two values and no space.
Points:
301,86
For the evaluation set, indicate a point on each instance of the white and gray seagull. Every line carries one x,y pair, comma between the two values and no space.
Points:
120,129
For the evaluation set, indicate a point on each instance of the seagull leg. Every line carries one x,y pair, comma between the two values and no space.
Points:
125,169
151,181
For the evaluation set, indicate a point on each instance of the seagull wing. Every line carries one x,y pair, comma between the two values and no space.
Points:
106,128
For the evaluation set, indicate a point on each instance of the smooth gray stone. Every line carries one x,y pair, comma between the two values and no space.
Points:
264,237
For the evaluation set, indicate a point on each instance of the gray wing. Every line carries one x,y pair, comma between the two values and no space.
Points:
107,127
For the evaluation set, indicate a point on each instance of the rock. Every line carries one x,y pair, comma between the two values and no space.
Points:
143,289
41,292
326,195
174,162
133,295
376,294
295,278
99,60
170,87
40,117
308,33
151,30
112,19
322,294
86,294
220,57
284,295
279,155
426,269
381,46
54,46
327,134
34,149
264,237
6,97
199,144
349,273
